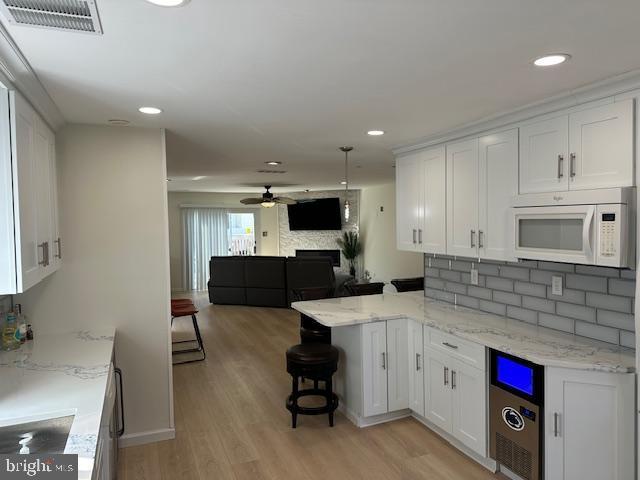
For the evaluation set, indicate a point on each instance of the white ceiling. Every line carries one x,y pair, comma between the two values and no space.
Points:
243,82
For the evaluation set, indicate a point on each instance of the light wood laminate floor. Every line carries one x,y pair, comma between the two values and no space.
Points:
231,421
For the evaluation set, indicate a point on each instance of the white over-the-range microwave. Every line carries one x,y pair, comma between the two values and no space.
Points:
593,227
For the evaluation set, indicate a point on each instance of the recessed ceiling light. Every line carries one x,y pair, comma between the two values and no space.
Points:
375,133
168,3
150,110
343,183
550,60
118,122
273,163
199,177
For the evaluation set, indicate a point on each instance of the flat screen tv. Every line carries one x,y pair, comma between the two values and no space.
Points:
315,214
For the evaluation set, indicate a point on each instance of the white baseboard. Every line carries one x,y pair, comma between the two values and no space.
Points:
374,420
146,437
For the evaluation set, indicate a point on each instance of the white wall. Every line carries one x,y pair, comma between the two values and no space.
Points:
266,218
378,230
115,272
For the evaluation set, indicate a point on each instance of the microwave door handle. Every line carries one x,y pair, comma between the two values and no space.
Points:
586,233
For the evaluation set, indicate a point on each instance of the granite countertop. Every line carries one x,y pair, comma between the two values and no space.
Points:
540,345
57,375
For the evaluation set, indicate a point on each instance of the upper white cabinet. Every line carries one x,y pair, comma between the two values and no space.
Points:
31,248
591,148
589,425
420,201
482,176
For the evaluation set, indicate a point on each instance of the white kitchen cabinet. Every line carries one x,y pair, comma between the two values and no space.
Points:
591,148
374,368
482,176
469,406
396,364
543,155
438,395
416,367
601,147
498,183
455,388
28,247
408,202
462,198
420,201
589,425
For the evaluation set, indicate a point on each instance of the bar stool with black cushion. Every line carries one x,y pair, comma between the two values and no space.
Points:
408,284
358,289
184,309
312,331
318,362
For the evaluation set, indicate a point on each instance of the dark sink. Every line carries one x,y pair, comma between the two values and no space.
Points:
42,436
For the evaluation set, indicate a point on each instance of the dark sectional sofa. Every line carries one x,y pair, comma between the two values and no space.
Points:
268,281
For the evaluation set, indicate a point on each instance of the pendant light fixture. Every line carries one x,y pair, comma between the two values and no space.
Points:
346,151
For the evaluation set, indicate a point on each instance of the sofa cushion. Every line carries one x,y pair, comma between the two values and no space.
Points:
266,297
265,272
309,272
227,271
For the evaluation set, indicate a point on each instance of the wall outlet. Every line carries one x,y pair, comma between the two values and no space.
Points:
474,276
556,285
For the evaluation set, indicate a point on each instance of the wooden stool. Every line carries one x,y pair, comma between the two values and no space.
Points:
317,362
188,310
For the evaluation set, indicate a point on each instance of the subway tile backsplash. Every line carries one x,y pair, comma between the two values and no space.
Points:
596,302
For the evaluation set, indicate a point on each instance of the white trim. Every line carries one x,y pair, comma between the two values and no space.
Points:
150,436
363,422
17,73
229,207
611,87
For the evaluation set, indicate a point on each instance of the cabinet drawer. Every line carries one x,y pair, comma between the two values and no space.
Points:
471,353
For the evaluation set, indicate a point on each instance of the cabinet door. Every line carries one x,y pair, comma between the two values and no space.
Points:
543,155
27,180
432,234
396,363
374,368
601,147
408,201
42,152
462,198
469,406
437,391
8,261
416,367
56,246
498,185
589,425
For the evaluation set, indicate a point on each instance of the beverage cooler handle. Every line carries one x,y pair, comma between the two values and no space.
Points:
120,431
586,233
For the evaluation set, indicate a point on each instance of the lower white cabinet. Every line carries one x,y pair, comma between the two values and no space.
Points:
385,375
455,395
589,425
416,367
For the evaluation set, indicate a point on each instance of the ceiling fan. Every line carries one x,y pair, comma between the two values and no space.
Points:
267,200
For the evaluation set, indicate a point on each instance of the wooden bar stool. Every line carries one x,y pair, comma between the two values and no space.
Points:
187,310
318,362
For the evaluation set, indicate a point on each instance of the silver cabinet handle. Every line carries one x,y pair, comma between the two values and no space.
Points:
555,424
384,361
420,235
453,379
480,239
414,235
59,243
572,165
450,345
560,161
120,431
473,238
446,376
417,362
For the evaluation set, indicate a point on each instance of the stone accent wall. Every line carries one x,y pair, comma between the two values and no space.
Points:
317,239
596,302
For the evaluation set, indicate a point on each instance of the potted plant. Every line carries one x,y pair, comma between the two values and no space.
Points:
351,248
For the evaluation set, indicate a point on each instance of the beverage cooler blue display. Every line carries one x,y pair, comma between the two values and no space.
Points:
514,374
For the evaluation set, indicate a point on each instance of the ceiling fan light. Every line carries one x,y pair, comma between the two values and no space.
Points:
266,204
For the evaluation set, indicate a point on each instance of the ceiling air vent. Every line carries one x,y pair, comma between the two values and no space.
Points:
70,15
279,172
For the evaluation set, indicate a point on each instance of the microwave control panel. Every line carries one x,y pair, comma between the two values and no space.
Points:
607,234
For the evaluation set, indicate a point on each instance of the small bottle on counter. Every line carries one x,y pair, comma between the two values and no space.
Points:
10,333
29,332
22,323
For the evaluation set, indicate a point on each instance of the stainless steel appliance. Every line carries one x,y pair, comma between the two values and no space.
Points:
594,227
40,436
516,397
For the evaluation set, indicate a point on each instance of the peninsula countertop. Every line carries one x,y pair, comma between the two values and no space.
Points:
540,345
56,375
